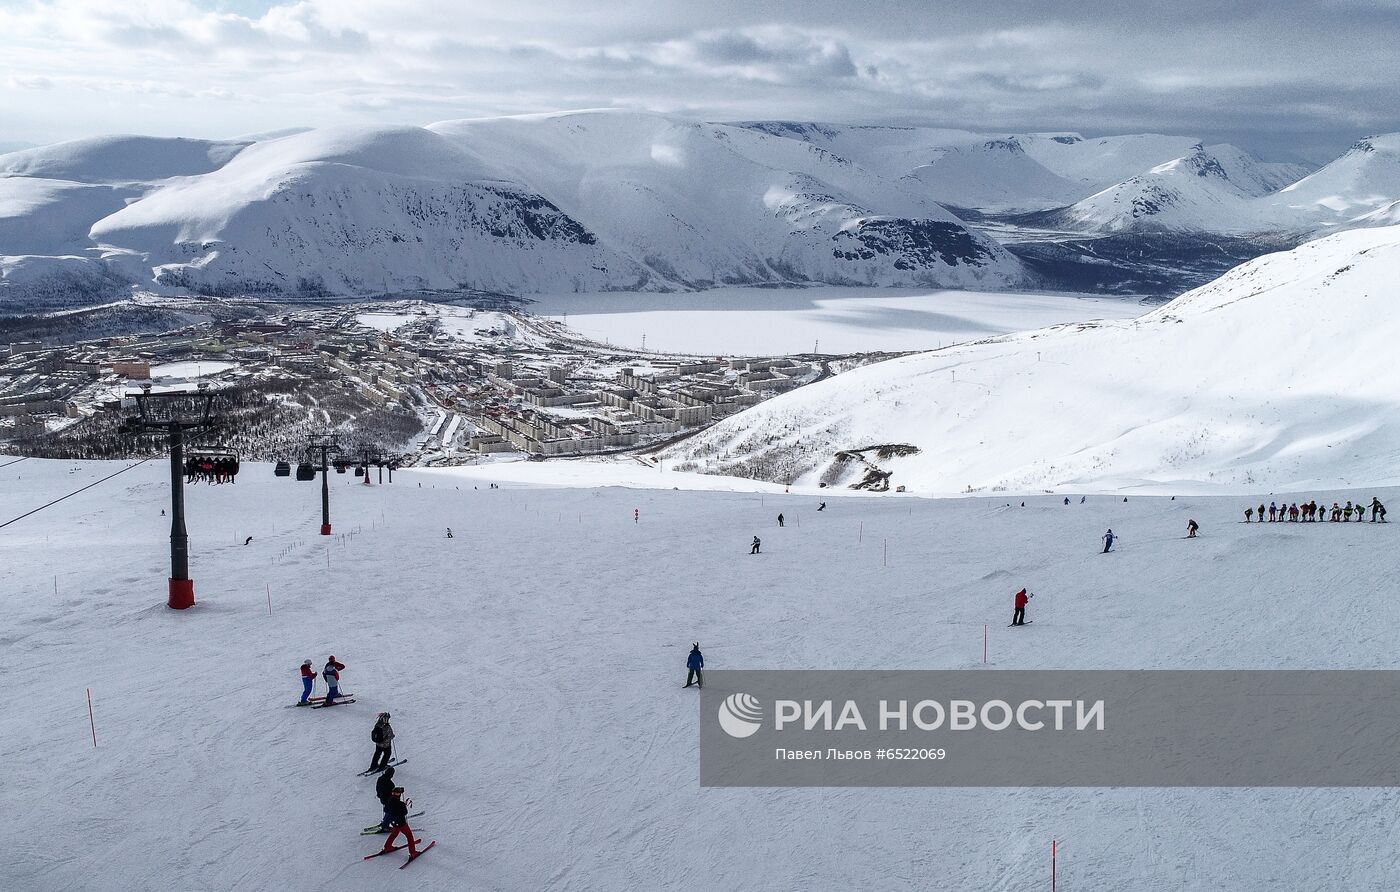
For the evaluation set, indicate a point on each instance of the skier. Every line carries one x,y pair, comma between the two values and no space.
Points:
1107,541
396,811
756,543
1346,512
331,673
1260,512
1336,513
1273,509
780,518
1018,618
1082,498
383,788
449,532
822,506
1191,528
1066,500
1377,509
1248,515
308,678
383,736
694,663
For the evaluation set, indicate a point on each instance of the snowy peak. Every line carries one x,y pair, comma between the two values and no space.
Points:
1360,182
1199,162
1218,188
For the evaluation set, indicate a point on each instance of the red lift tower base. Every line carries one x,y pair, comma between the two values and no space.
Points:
325,529
181,594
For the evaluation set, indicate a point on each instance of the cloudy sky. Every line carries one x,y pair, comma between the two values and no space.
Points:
1288,78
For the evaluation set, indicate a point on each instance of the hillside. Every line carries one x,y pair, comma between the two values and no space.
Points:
1260,378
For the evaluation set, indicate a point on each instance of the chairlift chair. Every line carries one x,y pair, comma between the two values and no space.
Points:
283,469
306,471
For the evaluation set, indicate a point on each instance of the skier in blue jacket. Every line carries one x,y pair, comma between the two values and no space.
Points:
694,663
1108,541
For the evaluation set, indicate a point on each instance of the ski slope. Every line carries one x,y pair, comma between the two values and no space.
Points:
533,666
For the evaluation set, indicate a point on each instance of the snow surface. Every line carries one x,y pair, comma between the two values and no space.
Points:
533,665
766,322
1267,375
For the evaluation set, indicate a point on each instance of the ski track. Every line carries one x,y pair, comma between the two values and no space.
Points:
534,667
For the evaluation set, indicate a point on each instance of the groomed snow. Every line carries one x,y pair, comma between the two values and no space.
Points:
765,321
533,666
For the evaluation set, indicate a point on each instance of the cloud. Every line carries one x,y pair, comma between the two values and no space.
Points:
1194,66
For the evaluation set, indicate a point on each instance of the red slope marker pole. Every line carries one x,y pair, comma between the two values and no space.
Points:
984,644
269,598
1053,847
91,723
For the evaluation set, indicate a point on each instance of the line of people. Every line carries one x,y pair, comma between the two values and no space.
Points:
391,796
1313,512
203,469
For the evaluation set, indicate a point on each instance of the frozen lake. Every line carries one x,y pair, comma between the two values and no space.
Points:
760,321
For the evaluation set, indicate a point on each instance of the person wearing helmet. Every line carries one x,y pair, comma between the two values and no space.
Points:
332,676
396,811
308,678
383,736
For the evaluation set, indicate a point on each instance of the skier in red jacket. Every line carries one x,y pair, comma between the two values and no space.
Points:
332,676
1019,617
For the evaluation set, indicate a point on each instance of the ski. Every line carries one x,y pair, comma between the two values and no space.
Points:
313,701
1026,623
374,828
386,851
368,771
411,858
336,703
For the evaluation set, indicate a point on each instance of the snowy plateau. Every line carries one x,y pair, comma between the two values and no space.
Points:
613,200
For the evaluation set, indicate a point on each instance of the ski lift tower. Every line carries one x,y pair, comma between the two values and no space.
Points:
325,444
175,413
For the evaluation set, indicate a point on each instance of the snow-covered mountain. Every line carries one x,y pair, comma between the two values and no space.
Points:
1364,181
610,200
1267,374
1207,189
1223,189
585,201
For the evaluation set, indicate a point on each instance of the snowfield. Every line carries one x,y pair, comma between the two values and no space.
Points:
533,665
1271,374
